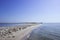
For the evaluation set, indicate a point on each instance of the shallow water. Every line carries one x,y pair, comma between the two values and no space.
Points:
48,31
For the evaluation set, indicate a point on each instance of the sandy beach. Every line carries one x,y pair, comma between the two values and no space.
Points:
16,33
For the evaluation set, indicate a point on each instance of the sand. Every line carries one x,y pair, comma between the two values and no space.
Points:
16,33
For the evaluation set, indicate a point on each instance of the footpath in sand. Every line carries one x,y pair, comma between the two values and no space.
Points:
23,34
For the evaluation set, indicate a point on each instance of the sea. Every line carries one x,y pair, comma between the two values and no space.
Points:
11,24
46,31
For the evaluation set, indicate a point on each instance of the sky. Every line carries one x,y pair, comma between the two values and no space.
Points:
29,11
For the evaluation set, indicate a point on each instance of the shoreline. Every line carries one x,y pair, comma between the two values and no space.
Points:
29,32
12,33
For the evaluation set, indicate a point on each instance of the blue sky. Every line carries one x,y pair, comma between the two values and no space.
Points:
29,11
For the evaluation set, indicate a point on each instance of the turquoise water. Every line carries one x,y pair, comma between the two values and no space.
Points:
48,31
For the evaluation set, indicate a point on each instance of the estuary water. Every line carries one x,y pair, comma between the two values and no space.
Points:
47,31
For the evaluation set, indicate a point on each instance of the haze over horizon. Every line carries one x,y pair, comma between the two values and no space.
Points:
29,11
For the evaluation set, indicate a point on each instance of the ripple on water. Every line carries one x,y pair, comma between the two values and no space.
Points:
46,32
